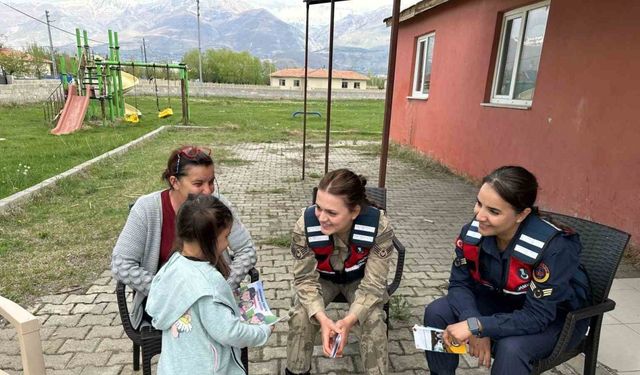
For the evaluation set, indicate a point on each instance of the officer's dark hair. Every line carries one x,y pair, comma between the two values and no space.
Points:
202,218
516,185
183,158
346,184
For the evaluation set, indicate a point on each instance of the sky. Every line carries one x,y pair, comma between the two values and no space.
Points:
320,13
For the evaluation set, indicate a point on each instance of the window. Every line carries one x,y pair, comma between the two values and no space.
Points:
424,59
345,84
282,82
356,85
296,83
519,53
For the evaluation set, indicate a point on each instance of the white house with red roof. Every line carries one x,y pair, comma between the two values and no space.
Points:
318,78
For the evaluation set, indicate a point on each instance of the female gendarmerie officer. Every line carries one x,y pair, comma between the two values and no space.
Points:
513,280
340,245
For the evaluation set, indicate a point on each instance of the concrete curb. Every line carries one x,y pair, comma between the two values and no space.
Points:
13,201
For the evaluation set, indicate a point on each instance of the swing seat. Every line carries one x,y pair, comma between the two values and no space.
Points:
165,113
132,117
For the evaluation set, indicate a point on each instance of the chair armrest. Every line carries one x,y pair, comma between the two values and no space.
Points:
570,323
391,288
123,310
254,275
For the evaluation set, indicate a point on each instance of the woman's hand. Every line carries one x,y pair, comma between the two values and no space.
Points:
480,347
345,324
456,334
328,330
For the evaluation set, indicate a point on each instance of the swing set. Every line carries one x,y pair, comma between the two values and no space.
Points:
112,82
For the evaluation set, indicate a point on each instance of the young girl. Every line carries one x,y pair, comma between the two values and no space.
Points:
191,302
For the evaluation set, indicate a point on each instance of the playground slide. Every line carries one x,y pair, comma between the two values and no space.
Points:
72,113
128,82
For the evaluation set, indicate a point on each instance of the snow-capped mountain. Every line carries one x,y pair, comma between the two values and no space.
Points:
269,29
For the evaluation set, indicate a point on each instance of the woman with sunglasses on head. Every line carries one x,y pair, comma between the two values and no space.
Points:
146,240
341,245
513,280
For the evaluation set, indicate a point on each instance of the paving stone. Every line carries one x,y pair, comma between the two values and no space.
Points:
56,309
106,297
9,347
91,320
89,359
407,362
121,358
264,368
114,345
113,332
52,346
73,345
62,320
71,332
55,299
10,361
110,370
89,308
57,361
344,364
101,289
80,298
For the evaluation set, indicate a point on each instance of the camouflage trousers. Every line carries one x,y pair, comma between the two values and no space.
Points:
304,330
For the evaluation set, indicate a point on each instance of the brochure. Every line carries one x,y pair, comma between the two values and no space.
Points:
429,338
253,305
336,344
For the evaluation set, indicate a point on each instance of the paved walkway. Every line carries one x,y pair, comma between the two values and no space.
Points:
82,332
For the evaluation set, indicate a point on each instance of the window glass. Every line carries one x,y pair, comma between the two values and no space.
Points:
508,58
420,65
426,83
530,53
356,85
345,84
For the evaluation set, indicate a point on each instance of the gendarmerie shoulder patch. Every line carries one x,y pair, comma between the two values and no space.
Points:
541,273
540,292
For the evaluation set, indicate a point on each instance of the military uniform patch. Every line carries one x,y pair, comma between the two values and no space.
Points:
541,273
382,253
523,274
539,292
298,251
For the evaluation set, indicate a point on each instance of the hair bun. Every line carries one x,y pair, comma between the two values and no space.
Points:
363,180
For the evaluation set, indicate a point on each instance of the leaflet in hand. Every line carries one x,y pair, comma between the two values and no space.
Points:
428,338
336,345
253,305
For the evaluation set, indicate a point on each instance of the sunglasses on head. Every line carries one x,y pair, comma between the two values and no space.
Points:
191,153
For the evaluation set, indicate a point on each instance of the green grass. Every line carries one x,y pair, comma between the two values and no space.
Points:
30,154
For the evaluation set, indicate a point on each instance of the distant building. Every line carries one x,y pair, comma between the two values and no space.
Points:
46,66
318,79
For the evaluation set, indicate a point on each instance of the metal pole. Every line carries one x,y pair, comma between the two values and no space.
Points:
330,78
304,121
391,70
199,48
53,58
144,48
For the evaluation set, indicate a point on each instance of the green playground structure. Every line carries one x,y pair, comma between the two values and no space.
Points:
93,84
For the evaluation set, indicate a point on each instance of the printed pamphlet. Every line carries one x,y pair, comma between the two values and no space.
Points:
253,305
429,338
336,344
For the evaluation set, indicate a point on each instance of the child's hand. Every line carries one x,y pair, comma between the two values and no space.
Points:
272,327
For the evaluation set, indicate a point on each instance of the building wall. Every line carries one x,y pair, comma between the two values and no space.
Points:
317,83
580,137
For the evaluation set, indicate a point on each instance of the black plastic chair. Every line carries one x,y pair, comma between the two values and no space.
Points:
148,340
378,197
602,251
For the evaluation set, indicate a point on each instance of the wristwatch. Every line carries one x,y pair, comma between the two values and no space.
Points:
474,326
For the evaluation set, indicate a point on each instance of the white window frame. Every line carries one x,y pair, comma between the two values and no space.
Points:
282,82
418,88
521,13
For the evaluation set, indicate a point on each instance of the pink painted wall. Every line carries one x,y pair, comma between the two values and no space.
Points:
581,137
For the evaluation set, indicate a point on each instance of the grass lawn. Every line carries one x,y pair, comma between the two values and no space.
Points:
30,154
65,236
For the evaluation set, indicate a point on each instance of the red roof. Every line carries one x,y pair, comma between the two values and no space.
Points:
319,73
26,56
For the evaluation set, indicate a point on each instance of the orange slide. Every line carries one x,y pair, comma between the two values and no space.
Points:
73,112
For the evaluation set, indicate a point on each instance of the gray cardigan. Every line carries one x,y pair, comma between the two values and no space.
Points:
136,254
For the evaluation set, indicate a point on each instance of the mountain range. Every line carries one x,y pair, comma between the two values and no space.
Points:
170,29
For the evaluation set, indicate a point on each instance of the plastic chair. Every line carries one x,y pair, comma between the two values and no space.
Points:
378,197
148,340
28,328
602,251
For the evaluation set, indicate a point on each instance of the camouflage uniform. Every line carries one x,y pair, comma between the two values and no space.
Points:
366,298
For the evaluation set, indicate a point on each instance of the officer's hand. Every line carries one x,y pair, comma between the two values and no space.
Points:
480,347
345,324
456,334
328,330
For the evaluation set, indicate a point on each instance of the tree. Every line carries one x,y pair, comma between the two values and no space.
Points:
14,62
226,66
37,57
